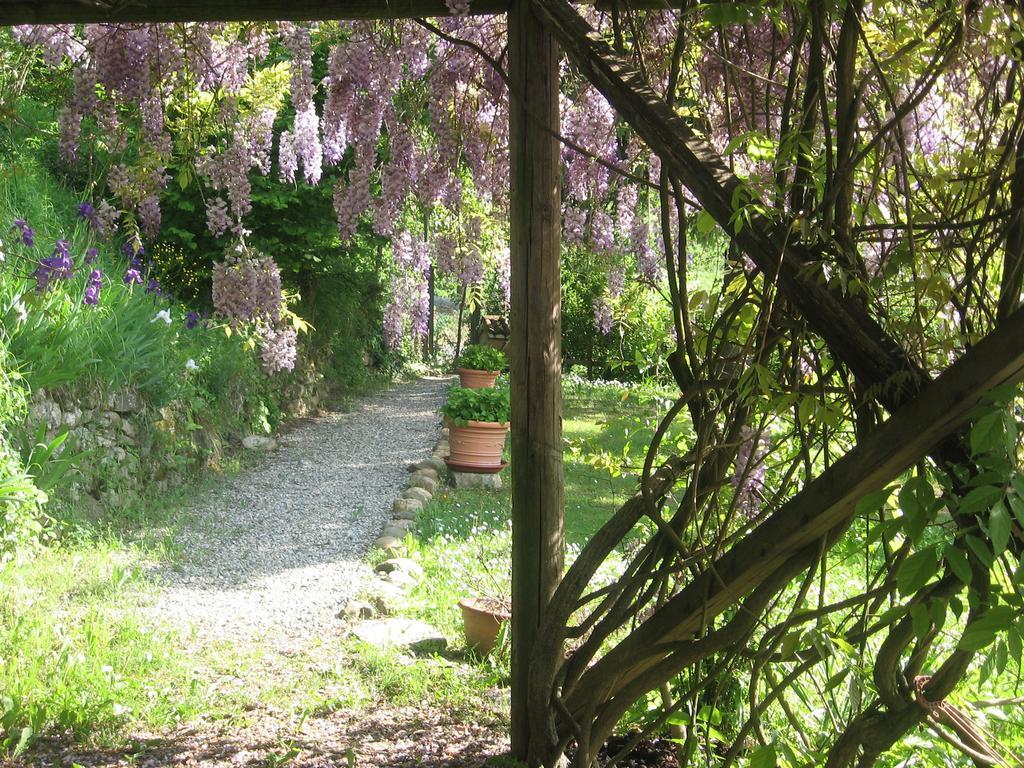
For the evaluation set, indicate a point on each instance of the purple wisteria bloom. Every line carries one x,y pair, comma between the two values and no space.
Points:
93,287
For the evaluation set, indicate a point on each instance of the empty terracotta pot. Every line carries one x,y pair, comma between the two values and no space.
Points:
482,618
477,446
474,379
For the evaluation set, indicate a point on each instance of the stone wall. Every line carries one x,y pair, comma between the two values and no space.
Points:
129,447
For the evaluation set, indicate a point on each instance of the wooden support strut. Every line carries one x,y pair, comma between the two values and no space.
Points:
536,338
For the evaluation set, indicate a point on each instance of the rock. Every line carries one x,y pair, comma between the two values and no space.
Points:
124,401
385,596
399,579
406,509
476,480
420,494
419,480
109,419
390,543
72,418
395,532
128,428
435,464
403,564
416,636
46,412
403,525
426,472
357,609
259,443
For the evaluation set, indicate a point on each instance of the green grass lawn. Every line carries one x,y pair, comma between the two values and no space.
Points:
463,538
79,655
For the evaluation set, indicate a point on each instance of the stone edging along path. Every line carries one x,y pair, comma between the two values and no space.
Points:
280,549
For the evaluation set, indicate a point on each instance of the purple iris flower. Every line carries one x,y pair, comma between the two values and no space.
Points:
57,266
191,320
28,235
91,255
133,277
93,287
86,211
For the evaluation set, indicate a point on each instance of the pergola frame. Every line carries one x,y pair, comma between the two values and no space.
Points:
535,29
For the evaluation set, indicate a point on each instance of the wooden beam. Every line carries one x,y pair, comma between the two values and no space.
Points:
536,344
143,11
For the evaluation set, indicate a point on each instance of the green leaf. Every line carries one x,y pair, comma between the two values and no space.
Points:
916,571
705,223
957,560
764,757
983,630
986,432
872,502
980,550
978,499
808,405
916,499
1017,505
921,619
999,528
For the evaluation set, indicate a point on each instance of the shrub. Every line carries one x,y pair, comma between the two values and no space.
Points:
466,404
479,357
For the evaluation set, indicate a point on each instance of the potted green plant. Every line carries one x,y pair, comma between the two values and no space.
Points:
479,366
478,422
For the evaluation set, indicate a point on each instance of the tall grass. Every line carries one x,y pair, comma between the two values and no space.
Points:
75,659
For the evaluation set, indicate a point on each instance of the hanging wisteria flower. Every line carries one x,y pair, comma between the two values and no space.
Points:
132,276
278,349
603,315
93,287
247,286
749,473
164,315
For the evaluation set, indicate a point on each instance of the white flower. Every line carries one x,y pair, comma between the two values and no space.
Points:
163,314
21,312
190,365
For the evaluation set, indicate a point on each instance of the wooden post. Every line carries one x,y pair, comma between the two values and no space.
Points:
536,326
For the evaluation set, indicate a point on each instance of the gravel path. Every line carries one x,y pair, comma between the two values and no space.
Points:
281,548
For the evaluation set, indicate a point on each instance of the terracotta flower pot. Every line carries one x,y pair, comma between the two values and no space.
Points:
482,618
474,379
477,446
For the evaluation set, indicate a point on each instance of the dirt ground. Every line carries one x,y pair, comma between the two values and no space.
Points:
405,737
